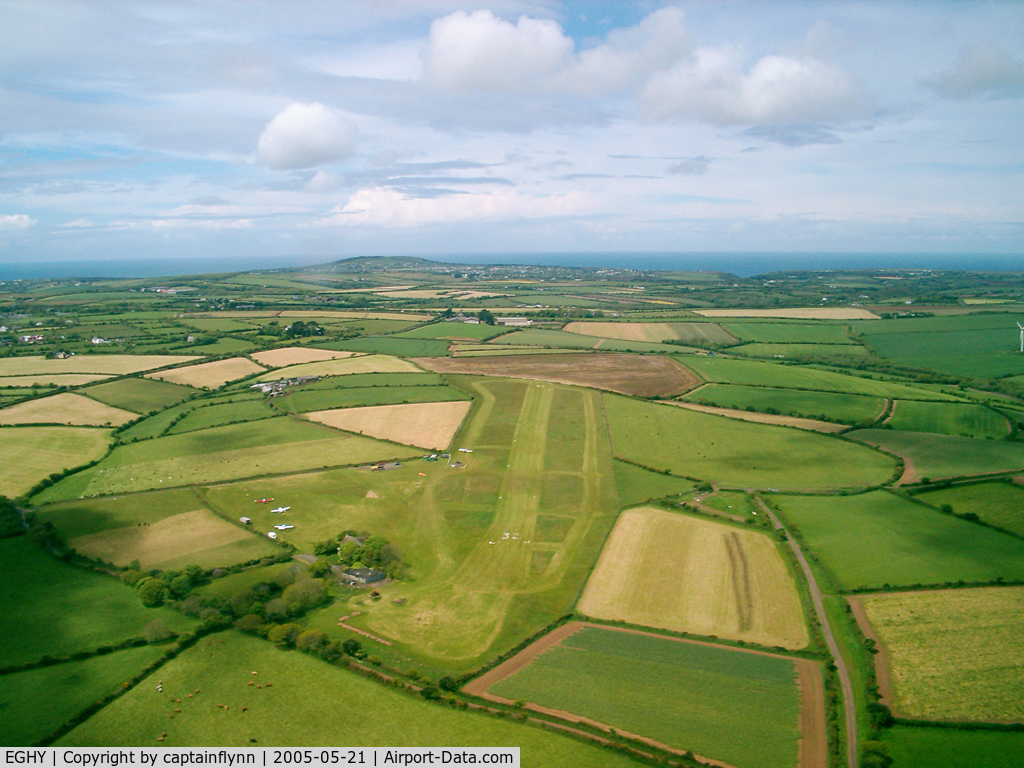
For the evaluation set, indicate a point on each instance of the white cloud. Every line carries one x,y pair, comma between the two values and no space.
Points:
15,221
78,224
479,51
711,85
306,135
980,69
386,207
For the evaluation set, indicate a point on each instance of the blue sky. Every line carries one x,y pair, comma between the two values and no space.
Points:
212,129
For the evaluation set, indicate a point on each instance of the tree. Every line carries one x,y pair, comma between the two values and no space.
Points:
284,635
152,591
180,586
351,646
311,641
875,754
486,317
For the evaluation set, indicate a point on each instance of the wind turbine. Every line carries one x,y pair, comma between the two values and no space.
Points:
1021,336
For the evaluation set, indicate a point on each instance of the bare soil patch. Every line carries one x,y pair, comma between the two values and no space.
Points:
425,425
813,729
883,675
642,375
65,408
766,418
209,375
275,358
795,313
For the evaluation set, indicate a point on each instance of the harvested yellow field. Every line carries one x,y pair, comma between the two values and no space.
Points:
953,654
161,542
681,573
65,408
343,367
275,358
34,453
425,425
56,379
113,365
209,375
652,332
795,313
342,315
765,418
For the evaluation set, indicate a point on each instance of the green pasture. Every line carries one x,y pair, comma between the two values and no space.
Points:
226,345
832,406
85,516
37,702
469,350
353,380
783,332
217,415
138,394
1000,503
308,704
158,423
797,351
368,326
562,339
738,453
54,609
983,345
305,400
32,454
393,345
219,324
723,370
926,747
938,456
235,583
450,330
278,445
342,367
879,539
964,419
637,485
720,703
731,503
486,567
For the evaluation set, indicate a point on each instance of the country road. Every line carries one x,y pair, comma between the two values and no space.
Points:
849,706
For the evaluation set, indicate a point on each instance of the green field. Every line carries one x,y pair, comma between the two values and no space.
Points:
964,419
275,445
722,370
85,516
787,332
307,700
65,689
562,339
982,345
138,394
304,400
717,702
637,485
738,453
937,456
1000,504
51,608
204,417
797,351
923,747
392,345
951,652
32,454
877,539
841,408
449,330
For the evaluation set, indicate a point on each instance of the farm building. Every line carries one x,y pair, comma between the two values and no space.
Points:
364,575
514,321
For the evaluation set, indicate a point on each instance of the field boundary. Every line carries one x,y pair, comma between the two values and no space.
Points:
813,749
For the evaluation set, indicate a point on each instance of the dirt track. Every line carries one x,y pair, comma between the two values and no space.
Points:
882,672
813,751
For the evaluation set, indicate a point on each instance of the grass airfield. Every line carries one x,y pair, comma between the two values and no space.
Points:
531,517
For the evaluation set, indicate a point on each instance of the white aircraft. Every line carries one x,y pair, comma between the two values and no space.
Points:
281,509
283,527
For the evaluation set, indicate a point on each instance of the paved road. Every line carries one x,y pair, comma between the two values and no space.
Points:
849,706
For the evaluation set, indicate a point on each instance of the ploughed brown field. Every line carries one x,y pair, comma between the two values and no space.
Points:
646,376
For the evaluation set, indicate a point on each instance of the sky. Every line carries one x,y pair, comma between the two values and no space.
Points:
185,129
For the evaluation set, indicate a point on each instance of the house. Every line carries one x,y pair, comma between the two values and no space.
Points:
364,575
